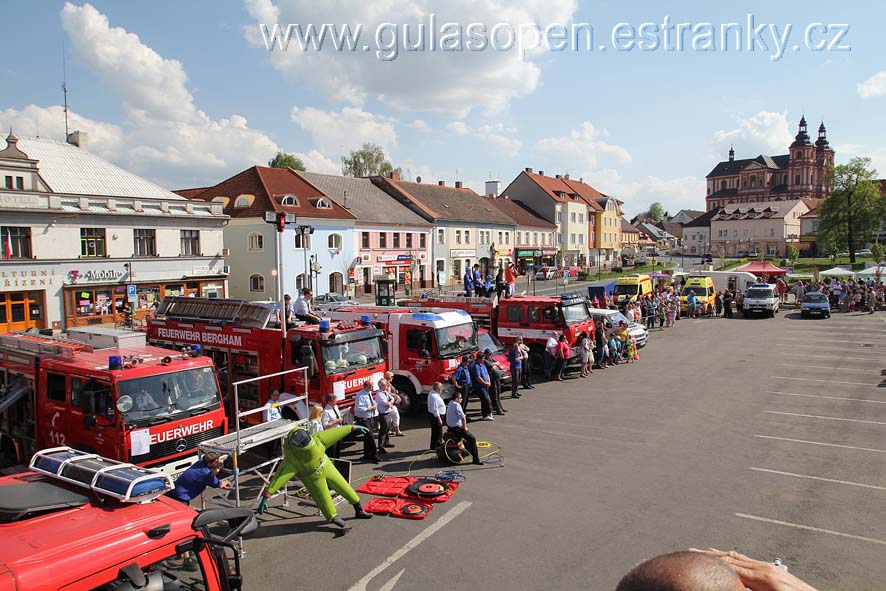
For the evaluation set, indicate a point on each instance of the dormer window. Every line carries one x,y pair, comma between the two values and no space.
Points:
244,200
289,200
324,204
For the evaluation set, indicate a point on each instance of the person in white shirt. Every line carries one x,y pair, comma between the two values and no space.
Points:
330,419
365,412
272,410
384,401
550,353
304,310
395,412
458,426
316,423
629,313
436,412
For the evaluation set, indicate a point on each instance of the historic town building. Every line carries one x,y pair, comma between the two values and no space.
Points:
802,173
83,239
768,227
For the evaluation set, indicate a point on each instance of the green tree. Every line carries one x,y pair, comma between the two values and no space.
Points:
878,252
655,213
369,160
793,255
852,212
282,160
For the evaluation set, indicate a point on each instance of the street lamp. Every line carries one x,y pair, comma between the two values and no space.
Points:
303,232
280,219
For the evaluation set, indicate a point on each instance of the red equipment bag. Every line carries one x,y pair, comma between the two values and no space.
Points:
381,506
386,486
429,490
410,509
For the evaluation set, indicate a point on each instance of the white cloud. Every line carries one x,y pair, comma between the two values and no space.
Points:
674,194
873,86
337,132
315,161
447,82
581,148
459,128
419,125
766,132
165,137
104,139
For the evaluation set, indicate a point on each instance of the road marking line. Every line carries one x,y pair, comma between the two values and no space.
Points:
795,414
832,357
817,478
828,381
389,586
421,537
876,371
822,443
856,342
817,348
828,397
810,528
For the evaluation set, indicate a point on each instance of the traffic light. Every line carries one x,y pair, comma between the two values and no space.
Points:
281,222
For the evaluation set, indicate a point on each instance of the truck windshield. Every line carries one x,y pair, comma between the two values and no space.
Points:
697,290
575,313
343,357
453,341
487,341
155,397
759,294
629,290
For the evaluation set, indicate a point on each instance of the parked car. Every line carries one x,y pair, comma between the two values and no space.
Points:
864,252
815,303
546,273
707,258
571,271
333,301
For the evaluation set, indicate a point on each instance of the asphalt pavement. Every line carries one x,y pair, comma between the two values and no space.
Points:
762,435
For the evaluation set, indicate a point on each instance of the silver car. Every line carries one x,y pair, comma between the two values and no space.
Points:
611,318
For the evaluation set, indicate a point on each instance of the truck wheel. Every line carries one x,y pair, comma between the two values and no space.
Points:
408,400
536,359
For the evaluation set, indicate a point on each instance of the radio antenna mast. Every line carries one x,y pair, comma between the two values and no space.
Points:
65,88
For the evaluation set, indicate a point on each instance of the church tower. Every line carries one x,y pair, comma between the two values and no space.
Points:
824,160
802,164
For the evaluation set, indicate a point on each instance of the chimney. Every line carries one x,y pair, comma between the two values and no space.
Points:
527,169
78,138
441,183
459,185
395,175
541,173
557,176
581,179
566,176
493,188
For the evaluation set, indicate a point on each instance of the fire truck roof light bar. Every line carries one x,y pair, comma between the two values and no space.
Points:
125,482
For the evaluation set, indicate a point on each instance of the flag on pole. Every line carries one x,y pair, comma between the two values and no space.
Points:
8,245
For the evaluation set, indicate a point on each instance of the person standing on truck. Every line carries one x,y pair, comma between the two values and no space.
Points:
477,278
436,414
364,415
500,285
202,474
511,280
469,283
515,358
550,353
481,381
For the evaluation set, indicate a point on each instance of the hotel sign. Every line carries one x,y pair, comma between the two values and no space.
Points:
21,201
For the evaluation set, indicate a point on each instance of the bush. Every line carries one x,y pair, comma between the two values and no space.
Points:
617,269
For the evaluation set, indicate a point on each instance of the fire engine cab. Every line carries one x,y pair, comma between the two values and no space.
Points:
423,346
242,340
81,522
138,404
533,318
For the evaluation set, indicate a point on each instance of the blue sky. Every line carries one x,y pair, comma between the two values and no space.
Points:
186,94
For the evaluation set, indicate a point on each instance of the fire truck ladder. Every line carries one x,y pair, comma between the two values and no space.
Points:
216,311
29,344
124,482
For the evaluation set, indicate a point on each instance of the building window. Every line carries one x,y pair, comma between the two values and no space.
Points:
500,238
256,283
243,201
573,217
364,238
382,239
302,241
396,239
334,241
289,200
324,204
16,242
408,239
559,217
300,283
190,241
467,236
581,238
458,236
771,232
559,238
441,236
255,242
422,240
20,183
9,182
144,242
507,237
92,242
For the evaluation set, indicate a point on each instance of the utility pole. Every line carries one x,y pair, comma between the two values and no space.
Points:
280,219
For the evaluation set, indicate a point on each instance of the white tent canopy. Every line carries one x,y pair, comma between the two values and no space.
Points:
871,271
836,272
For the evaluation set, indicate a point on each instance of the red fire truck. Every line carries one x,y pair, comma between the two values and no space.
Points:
423,346
80,522
240,337
139,404
533,318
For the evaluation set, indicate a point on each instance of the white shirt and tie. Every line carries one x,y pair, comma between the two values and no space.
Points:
330,415
363,404
271,413
436,406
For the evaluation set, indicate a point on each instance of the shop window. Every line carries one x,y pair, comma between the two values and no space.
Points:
16,242
334,241
92,242
255,242
190,243
144,242
256,283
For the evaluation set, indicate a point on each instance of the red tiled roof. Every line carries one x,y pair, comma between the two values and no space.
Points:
447,203
554,187
190,193
268,185
520,213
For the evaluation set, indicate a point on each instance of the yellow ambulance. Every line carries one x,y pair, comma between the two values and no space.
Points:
702,287
630,288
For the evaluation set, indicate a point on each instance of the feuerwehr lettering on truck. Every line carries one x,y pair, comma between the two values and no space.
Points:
204,338
181,432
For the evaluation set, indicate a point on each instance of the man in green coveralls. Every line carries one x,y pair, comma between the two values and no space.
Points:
304,457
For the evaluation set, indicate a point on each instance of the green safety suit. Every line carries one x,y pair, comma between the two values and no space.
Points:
316,471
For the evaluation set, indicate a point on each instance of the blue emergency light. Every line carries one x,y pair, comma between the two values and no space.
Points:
115,362
429,317
324,326
365,320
